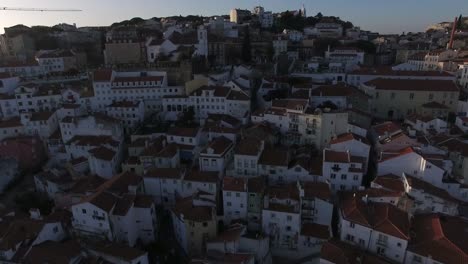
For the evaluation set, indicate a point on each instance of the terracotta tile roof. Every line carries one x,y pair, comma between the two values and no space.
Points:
315,230
123,205
192,212
87,184
92,141
233,233
386,127
19,230
103,200
320,190
119,183
378,192
54,252
218,146
336,156
167,173
234,184
103,153
289,191
291,104
238,96
10,123
389,72
339,89
428,188
118,251
202,176
391,155
5,75
302,94
339,252
256,185
234,122
136,79
143,201
414,85
382,217
103,75
348,137
41,116
440,237
169,151
391,182
218,91
183,131
248,146
281,208
274,157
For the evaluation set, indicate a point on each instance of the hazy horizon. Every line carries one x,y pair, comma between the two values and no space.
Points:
385,17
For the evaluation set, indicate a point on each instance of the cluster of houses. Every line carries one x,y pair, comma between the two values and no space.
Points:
335,161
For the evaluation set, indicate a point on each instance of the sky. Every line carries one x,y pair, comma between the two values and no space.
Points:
384,16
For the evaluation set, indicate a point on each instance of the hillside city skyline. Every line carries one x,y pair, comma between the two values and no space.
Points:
280,132
386,18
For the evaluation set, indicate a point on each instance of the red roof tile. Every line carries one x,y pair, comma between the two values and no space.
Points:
348,137
382,217
234,184
440,237
414,85
103,75
391,182
315,230
336,156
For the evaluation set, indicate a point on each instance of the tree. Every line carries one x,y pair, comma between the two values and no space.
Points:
319,15
246,47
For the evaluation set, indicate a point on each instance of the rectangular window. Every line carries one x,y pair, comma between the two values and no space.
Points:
411,96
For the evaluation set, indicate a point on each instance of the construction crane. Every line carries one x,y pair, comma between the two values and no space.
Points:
38,9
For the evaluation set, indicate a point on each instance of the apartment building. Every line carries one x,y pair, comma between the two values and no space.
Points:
398,98
302,124
209,100
343,170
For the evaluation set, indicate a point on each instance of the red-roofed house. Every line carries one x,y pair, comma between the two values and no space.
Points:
216,155
412,163
343,170
377,227
356,145
234,199
164,184
438,239
194,222
281,217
